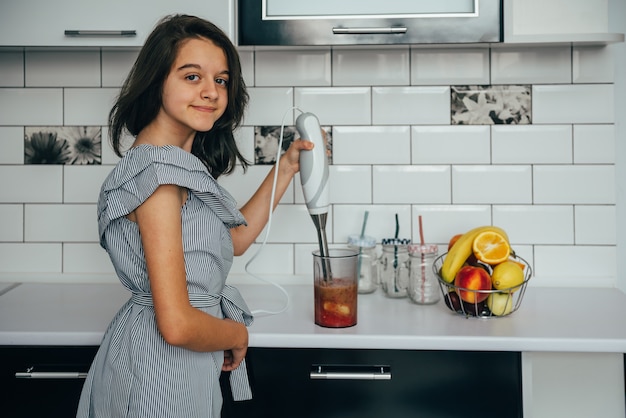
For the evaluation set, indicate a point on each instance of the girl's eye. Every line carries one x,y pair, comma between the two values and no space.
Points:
222,81
192,77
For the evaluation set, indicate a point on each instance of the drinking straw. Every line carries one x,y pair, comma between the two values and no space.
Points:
358,262
423,278
395,255
365,215
395,247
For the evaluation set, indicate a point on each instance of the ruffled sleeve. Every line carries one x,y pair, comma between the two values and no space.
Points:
145,168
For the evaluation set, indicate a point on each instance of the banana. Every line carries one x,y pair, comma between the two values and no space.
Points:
462,249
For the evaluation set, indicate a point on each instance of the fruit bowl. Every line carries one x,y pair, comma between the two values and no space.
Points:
495,303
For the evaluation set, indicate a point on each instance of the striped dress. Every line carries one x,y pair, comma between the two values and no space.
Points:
135,372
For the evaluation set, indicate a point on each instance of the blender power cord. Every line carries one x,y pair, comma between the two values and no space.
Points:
265,312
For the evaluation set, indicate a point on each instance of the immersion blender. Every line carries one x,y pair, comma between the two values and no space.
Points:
314,179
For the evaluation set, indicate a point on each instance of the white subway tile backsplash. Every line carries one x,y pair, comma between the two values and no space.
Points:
371,66
583,184
442,222
411,184
530,65
532,144
526,224
574,103
88,258
595,225
81,184
116,64
57,68
594,144
11,222
561,265
336,105
33,106
246,58
592,64
411,105
12,68
348,184
265,261
292,223
381,221
30,258
242,186
510,184
31,184
268,106
450,145
397,149
244,137
12,145
60,223
371,145
310,67
108,155
88,106
443,66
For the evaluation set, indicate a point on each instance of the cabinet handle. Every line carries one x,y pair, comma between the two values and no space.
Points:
370,31
50,375
87,33
350,372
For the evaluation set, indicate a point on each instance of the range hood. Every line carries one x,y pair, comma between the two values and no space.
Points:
359,22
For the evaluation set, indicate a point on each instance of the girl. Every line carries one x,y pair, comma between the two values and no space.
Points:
171,230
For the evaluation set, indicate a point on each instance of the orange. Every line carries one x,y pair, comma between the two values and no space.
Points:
491,247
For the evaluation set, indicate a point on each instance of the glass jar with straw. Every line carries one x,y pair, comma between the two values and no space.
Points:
367,269
423,285
394,272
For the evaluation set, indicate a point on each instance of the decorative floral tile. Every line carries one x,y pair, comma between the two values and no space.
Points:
267,138
491,105
63,145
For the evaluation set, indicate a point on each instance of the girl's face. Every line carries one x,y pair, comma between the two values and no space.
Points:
195,92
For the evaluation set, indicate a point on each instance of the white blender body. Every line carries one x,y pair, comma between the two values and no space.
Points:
313,165
314,178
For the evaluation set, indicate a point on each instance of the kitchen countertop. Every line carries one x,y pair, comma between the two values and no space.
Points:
549,319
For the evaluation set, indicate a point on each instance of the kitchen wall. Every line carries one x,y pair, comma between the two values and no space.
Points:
550,183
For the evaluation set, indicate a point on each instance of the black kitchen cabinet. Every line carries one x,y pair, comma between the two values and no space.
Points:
423,384
46,395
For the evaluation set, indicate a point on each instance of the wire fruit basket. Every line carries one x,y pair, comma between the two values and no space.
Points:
503,302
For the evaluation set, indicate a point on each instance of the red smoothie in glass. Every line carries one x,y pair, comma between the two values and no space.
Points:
335,303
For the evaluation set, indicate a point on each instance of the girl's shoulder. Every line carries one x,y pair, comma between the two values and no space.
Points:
144,168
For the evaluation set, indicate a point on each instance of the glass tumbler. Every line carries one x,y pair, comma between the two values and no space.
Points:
423,285
367,263
335,288
394,272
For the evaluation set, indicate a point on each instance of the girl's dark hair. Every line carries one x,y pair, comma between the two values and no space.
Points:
140,98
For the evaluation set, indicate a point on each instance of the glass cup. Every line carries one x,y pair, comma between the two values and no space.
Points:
394,272
335,288
367,263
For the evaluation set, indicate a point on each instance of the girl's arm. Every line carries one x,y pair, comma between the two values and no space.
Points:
256,210
180,324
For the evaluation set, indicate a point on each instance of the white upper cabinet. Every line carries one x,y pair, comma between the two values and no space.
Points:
99,22
555,21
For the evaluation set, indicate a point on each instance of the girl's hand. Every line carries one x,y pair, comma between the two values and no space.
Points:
234,356
291,158
232,359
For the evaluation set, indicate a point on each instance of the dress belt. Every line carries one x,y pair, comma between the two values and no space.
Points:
235,308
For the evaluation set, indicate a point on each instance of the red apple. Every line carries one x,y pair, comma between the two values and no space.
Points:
473,278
